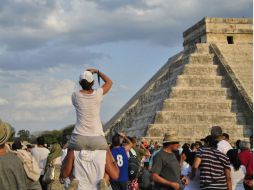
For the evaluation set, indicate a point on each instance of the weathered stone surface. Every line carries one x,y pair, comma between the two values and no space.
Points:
202,105
198,131
194,69
200,81
199,92
240,59
216,30
191,93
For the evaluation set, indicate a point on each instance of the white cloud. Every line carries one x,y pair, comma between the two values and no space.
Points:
40,115
49,94
43,34
41,41
41,99
94,22
3,101
55,23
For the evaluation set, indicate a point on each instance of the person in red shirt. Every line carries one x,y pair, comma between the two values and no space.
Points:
246,157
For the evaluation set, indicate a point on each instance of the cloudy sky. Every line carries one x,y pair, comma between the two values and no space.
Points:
46,44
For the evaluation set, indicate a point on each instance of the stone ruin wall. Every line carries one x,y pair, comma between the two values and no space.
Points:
216,30
140,111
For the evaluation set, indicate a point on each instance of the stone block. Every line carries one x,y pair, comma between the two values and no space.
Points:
197,92
200,105
191,93
200,81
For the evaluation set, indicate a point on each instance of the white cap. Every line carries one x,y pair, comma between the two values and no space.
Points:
87,75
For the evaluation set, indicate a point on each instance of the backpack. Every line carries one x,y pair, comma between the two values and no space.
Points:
144,179
134,167
30,165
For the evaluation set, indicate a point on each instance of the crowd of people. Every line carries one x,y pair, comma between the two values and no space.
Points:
86,161
131,164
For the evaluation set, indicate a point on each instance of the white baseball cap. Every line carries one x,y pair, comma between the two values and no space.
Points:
87,75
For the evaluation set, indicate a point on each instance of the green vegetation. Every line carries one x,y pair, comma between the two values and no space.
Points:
55,136
24,135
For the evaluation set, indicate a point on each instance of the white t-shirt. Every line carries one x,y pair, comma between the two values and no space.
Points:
89,168
237,177
40,154
224,146
65,151
88,113
194,183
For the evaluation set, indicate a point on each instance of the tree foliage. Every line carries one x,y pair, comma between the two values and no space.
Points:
68,130
57,136
24,135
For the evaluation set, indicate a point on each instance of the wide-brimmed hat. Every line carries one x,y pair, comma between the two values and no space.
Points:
5,132
170,138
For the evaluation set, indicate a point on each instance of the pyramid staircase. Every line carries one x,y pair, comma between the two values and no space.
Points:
199,100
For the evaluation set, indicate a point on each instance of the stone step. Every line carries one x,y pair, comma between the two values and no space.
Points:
202,48
192,139
180,117
202,59
199,48
192,69
200,105
197,130
200,81
134,132
199,92
240,59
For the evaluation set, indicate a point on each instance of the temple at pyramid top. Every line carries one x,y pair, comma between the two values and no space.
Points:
209,83
219,30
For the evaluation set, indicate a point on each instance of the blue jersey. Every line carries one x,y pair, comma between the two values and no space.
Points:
121,159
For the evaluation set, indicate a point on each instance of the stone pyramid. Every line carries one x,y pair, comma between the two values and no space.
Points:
196,89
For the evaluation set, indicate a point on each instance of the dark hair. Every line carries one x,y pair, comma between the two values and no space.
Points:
64,140
237,144
234,158
226,135
116,140
216,131
133,139
192,146
186,146
212,142
40,140
86,85
16,145
190,157
29,146
199,144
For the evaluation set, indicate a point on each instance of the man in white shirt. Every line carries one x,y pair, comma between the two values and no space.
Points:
223,145
40,154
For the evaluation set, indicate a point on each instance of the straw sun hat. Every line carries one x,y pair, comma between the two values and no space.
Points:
170,138
5,132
